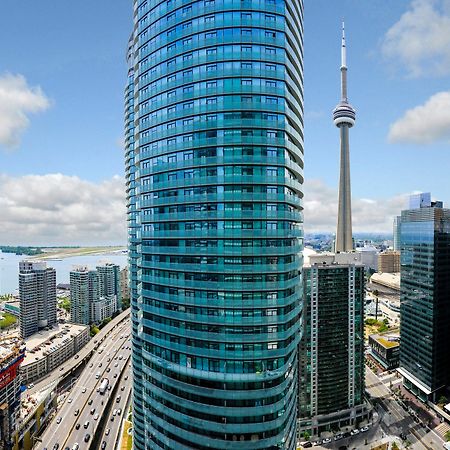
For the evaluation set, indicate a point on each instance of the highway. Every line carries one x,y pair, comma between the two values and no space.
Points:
109,361
110,436
71,364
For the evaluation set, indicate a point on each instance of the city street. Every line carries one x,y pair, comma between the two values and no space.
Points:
389,421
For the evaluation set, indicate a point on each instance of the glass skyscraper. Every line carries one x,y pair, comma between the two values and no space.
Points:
424,297
214,156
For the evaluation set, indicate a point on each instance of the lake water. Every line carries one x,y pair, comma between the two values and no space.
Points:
9,267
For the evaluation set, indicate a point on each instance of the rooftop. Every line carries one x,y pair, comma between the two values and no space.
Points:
9,349
387,340
391,280
30,403
44,342
334,259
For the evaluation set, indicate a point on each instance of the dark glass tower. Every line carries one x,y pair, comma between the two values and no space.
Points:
331,394
216,233
424,297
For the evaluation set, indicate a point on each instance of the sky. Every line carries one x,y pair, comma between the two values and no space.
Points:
62,77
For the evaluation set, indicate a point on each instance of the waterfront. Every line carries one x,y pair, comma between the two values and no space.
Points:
9,267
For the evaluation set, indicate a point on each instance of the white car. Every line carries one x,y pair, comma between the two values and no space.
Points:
84,390
70,400
363,429
96,417
326,441
354,432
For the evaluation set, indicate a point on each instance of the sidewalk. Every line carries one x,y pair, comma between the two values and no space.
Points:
424,412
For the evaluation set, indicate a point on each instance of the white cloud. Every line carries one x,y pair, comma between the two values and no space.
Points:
56,209
17,101
424,124
369,215
420,40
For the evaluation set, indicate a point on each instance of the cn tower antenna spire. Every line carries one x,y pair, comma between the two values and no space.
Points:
343,66
343,49
344,118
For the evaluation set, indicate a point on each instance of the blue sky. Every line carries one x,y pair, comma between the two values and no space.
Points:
61,165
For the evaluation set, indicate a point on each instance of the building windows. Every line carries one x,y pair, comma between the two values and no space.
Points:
246,82
211,51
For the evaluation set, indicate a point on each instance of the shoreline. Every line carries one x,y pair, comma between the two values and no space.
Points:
63,253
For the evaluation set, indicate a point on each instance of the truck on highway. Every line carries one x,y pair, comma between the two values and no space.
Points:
103,386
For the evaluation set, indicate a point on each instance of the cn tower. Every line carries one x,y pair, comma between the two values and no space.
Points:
344,118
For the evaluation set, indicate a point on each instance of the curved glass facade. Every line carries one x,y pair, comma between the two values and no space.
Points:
216,222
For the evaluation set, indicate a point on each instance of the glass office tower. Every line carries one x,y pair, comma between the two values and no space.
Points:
424,297
217,228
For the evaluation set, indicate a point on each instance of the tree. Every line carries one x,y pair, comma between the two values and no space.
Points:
306,435
395,446
447,435
443,400
94,330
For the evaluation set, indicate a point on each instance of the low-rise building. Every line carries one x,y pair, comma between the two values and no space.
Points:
12,308
11,356
385,349
35,412
47,350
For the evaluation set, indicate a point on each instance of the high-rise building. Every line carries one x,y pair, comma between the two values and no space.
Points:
94,294
389,262
83,291
344,118
109,282
424,297
396,227
37,294
331,394
215,222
